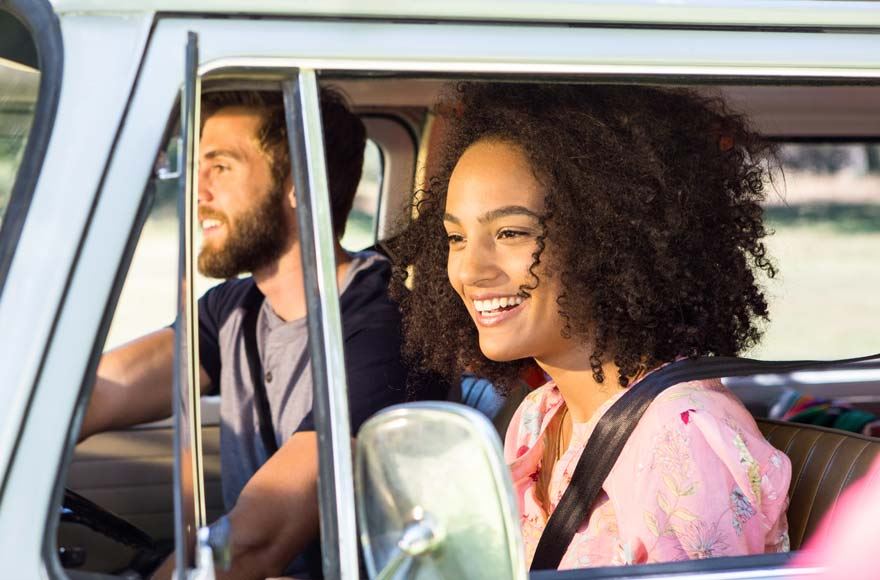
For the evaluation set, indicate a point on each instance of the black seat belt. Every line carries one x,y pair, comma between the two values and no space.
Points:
253,303
614,428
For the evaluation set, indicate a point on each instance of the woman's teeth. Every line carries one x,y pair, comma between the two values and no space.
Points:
492,304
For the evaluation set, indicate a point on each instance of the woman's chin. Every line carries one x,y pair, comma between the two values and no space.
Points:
500,352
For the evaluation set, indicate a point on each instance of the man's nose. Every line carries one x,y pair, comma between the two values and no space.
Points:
478,265
204,190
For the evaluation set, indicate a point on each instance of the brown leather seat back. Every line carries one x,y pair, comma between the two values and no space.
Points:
823,462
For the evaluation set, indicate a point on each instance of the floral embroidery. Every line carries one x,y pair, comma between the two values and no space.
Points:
765,484
531,421
671,452
694,392
583,556
784,543
742,509
752,467
702,540
776,460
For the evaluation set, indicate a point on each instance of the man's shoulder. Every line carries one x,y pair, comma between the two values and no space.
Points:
367,290
223,299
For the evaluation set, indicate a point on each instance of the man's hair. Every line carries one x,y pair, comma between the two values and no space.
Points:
344,141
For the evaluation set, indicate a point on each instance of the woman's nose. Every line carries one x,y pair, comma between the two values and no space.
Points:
478,264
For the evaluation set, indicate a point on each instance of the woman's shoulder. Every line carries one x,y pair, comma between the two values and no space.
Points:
703,475
704,420
703,417
709,398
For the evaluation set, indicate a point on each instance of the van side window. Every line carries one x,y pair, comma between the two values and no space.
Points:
360,229
825,219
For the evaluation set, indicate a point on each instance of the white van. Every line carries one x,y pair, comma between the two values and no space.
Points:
98,104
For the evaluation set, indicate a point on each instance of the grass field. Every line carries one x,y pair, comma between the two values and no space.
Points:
825,302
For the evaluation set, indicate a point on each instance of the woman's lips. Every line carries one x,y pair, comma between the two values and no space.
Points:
496,317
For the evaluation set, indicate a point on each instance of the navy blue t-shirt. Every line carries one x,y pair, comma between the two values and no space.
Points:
376,374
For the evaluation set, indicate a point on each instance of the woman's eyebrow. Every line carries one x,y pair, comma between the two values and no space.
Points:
494,214
506,211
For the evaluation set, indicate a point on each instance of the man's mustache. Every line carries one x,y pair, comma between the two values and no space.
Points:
210,214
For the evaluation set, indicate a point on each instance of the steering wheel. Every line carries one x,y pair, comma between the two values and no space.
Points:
78,510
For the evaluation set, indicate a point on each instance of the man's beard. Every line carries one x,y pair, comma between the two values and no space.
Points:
256,239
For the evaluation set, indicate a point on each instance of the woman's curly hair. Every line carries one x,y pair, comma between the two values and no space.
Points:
652,212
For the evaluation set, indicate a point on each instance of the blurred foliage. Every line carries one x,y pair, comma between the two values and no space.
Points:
842,218
830,158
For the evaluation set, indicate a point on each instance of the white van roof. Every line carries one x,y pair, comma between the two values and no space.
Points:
772,13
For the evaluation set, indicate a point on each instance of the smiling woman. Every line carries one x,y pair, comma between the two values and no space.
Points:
603,232
493,218
649,215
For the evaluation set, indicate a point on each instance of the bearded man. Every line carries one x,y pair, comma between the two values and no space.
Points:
247,210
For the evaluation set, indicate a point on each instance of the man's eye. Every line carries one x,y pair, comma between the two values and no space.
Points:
221,168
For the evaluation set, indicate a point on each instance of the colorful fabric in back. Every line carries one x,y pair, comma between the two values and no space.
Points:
695,480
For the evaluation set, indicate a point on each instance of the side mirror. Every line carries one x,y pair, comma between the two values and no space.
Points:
435,498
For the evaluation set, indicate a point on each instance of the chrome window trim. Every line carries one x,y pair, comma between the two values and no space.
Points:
495,68
189,484
330,403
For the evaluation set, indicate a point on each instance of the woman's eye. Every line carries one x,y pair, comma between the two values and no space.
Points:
453,239
511,234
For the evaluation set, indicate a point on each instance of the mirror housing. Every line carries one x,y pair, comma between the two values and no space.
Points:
435,497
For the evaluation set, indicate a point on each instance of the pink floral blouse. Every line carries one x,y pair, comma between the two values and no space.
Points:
695,480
